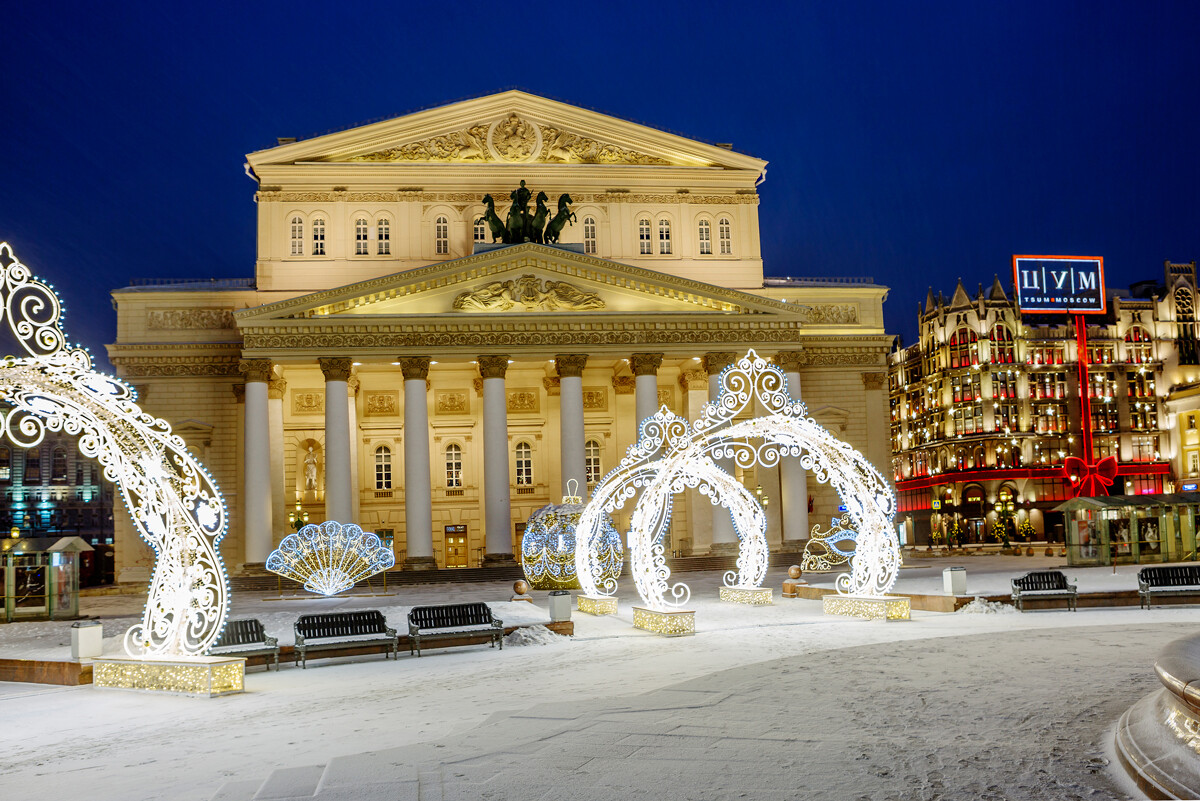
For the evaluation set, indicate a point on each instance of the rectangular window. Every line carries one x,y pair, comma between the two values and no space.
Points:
723,230
705,238
318,237
441,233
589,235
644,237
664,237
297,236
383,236
360,238
1145,449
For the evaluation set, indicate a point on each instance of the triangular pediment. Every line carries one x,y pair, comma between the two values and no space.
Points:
530,280
512,127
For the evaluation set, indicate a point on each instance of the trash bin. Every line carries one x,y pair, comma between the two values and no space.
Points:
954,580
87,639
560,605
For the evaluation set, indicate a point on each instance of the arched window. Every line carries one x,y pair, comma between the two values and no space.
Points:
705,233
664,236
360,237
591,461
58,465
297,236
725,232
964,350
453,465
33,467
1138,346
644,236
480,230
318,226
5,464
524,465
1002,344
383,468
441,236
589,234
383,236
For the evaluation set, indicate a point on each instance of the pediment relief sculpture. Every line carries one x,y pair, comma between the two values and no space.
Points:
531,294
512,139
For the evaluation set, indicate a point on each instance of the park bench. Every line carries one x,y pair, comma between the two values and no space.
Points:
1041,584
246,637
452,621
343,630
1167,580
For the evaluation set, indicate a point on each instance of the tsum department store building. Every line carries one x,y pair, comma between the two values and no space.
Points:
389,365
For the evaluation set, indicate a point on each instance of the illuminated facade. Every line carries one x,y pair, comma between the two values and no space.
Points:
985,407
51,489
388,365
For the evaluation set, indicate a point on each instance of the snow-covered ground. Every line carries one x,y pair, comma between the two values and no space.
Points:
1021,700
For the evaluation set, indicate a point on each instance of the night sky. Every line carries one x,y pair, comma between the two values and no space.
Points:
912,142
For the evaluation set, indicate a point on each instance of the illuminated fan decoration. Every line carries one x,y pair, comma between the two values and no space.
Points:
671,455
548,547
175,505
330,557
823,552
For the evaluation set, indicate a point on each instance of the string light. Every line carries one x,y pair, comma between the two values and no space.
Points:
548,545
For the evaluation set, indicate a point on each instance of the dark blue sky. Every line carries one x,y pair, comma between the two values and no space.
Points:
912,142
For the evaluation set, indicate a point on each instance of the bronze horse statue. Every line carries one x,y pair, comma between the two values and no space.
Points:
560,220
495,224
539,218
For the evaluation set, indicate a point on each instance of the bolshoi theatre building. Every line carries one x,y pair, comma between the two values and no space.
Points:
455,313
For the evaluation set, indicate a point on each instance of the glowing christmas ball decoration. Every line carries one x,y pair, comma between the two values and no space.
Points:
330,557
671,456
548,546
174,503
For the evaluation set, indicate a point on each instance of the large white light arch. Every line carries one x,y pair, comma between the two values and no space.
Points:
174,503
670,456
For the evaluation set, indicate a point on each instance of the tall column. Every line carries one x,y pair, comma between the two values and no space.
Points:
497,502
724,538
878,448
352,386
570,419
418,489
256,497
694,384
338,504
645,371
793,479
275,392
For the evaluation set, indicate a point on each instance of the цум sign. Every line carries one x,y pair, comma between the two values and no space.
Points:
1059,284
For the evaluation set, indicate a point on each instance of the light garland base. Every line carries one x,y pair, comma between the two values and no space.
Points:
752,596
676,623
203,676
884,607
597,604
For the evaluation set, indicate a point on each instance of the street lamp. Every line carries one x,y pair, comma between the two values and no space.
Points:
763,500
298,518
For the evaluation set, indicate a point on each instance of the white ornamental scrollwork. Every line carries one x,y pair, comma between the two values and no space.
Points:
671,456
173,501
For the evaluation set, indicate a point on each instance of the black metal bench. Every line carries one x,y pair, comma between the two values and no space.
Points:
452,621
1167,580
340,630
1042,584
246,637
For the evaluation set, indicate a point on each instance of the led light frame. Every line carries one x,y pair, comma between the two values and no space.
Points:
330,557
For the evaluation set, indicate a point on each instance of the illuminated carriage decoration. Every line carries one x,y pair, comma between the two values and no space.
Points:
672,455
548,545
330,557
174,503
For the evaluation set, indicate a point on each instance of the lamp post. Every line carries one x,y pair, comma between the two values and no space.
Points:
299,518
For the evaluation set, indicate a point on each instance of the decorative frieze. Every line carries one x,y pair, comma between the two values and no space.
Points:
189,319
831,314
308,401
472,198
523,401
790,361
531,294
451,402
595,399
385,403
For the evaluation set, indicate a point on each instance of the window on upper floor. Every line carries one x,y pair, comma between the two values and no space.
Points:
441,236
524,458
5,464
664,236
1138,347
1002,344
33,467
479,230
644,236
964,348
360,237
383,236
383,468
297,236
725,233
58,465
591,461
589,234
318,229
704,231
453,465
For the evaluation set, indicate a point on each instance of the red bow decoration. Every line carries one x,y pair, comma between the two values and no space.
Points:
1090,480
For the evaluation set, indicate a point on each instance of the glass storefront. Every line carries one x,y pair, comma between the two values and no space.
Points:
40,577
1131,529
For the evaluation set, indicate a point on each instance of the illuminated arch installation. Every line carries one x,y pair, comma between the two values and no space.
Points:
671,455
174,503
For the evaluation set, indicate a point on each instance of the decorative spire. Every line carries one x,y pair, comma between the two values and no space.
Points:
960,298
997,291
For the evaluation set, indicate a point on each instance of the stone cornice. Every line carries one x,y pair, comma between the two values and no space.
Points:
178,360
475,198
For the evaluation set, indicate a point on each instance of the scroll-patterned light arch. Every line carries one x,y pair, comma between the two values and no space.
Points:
173,501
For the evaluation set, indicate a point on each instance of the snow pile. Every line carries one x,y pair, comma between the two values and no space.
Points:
982,606
534,635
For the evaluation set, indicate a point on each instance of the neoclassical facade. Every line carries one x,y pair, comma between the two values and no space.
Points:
391,365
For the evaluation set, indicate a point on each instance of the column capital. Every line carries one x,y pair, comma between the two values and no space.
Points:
255,369
239,393
275,388
415,368
493,366
336,368
624,385
716,361
693,380
874,380
552,385
352,385
789,360
645,363
570,364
